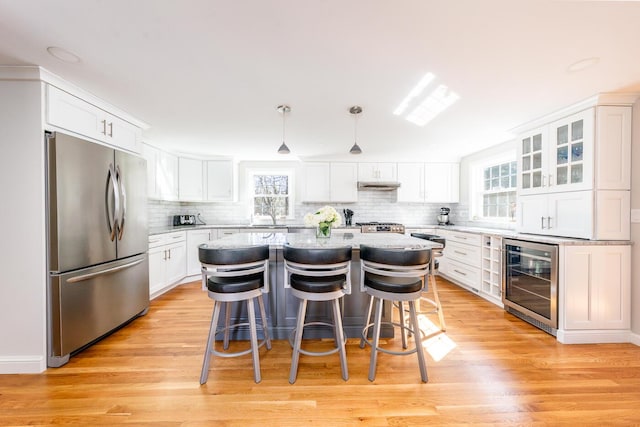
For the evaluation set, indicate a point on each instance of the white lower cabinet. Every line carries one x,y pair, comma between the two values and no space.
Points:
167,261
594,293
194,239
461,259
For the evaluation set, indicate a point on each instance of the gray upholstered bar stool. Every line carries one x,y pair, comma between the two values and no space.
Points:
397,276
235,275
318,274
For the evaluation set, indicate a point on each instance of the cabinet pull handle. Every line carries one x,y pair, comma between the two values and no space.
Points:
460,237
111,129
544,180
550,180
104,127
165,255
169,253
542,222
460,272
461,253
549,222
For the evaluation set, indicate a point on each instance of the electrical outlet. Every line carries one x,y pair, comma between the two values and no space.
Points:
635,215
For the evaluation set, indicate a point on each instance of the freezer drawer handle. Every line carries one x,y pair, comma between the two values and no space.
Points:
103,272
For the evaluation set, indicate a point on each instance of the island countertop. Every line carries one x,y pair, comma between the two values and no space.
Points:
278,240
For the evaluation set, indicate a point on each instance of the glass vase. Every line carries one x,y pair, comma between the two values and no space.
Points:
323,230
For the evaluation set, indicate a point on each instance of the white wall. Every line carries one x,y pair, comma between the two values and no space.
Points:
635,228
22,251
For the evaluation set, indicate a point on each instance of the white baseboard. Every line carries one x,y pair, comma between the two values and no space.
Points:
594,337
22,364
634,338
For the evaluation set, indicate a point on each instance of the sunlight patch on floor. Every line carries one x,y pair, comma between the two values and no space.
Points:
436,343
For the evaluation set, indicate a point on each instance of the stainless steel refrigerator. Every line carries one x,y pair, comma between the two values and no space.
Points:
97,243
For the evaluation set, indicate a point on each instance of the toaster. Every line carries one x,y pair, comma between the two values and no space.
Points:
184,220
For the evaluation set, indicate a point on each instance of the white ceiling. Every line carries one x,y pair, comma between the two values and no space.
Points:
207,75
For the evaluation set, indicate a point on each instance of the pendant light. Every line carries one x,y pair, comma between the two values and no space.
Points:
355,110
283,109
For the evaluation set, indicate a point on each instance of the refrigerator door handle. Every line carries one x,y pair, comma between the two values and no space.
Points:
123,204
88,276
112,217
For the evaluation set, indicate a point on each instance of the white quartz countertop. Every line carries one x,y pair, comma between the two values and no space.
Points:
277,240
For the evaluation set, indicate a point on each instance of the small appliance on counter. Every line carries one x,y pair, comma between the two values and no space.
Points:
184,220
348,215
443,218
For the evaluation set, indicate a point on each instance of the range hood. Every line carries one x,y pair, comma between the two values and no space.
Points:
378,185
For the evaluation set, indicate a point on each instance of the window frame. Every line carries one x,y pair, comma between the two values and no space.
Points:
477,193
251,195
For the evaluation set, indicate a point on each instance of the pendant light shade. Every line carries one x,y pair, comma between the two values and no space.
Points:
355,111
283,109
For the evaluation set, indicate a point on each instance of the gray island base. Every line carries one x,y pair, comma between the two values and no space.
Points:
282,307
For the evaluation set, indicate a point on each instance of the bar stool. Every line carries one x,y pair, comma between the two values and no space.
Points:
318,274
395,275
235,275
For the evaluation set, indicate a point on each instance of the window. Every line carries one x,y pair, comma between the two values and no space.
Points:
271,195
499,191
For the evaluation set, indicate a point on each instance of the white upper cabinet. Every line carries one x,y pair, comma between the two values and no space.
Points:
587,150
381,172
429,182
330,182
571,153
190,179
344,182
167,176
442,182
219,180
68,112
317,182
411,179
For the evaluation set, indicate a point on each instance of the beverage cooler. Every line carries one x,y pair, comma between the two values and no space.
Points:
531,282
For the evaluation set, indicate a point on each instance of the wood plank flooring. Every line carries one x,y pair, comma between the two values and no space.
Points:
489,368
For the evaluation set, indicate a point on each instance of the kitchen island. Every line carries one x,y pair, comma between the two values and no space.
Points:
282,307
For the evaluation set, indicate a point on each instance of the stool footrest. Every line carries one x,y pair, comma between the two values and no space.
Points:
367,341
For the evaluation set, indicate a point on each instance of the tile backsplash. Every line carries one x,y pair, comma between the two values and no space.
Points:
371,206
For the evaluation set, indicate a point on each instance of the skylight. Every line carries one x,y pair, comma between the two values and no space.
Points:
433,104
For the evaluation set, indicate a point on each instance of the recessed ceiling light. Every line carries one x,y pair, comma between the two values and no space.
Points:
63,55
583,64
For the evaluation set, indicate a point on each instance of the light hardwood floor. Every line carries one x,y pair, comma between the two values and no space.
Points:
490,368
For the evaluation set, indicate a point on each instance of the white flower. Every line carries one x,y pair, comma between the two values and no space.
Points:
325,214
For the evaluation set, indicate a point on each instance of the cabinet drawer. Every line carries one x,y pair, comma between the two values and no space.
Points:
465,254
466,238
464,274
166,238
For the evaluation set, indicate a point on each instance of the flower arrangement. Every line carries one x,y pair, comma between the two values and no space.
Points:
325,218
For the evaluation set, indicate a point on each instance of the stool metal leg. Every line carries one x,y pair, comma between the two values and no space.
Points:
376,340
227,322
339,335
265,326
254,340
417,336
210,341
403,328
367,321
295,356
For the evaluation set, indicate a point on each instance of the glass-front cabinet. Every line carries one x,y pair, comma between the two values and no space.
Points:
571,150
532,149
558,157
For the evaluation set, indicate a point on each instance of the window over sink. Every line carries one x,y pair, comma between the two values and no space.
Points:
271,195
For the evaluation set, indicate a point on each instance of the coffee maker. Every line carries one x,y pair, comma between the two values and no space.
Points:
348,214
443,218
